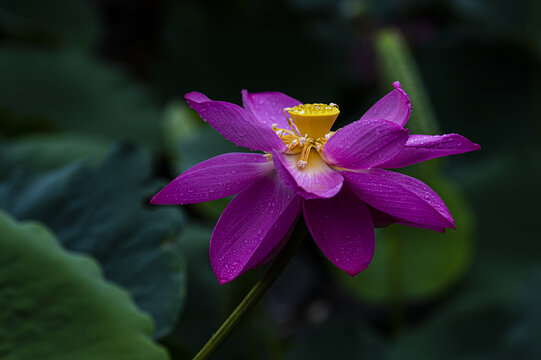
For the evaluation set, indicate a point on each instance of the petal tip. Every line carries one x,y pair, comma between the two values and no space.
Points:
450,225
244,93
223,273
398,87
352,272
448,222
223,281
195,97
158,199
451,222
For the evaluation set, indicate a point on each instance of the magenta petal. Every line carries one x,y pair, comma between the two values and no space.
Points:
252,227
395,107
235,123
221,176
424,147
316,180
380,218
268,107
342,228
403,197
365,143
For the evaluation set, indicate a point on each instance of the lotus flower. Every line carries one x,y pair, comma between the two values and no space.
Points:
335,177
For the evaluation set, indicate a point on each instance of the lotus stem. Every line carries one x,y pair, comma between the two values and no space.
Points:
257,291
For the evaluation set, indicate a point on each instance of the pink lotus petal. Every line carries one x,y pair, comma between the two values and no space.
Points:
252,226
365,143
342,228
400,196
235,123
221,176
424,147
395,107
268,107
380,218
316,180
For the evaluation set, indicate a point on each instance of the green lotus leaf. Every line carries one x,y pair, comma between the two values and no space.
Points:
55,305
102,212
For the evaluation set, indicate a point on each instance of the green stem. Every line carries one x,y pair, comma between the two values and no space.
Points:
255,293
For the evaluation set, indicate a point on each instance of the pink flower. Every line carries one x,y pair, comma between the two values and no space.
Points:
335,177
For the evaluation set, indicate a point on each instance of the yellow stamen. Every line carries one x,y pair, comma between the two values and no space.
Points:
315,120
312,120
303,161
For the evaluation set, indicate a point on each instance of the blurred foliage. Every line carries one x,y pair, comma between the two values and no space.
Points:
55,303
47,152
78,77
66,90
339,339
101,212
521,341
34,21
477,327
396,62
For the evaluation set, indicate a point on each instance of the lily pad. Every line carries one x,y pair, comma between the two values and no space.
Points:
56,305
103,212
418,263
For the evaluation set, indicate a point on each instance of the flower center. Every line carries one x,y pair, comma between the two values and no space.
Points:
312,120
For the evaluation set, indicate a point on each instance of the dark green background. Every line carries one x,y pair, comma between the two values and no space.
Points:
93,122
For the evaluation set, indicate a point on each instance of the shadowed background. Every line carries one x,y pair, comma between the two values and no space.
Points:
93,122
